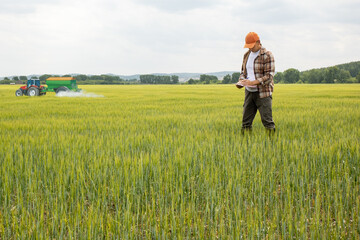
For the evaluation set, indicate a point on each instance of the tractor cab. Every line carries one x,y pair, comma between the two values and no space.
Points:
33,82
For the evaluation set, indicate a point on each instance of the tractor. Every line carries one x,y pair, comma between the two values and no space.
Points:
32,88
54,84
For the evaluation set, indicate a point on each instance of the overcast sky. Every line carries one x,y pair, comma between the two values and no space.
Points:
169,36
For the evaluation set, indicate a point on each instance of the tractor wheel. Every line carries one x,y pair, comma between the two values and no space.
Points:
33,91
62,89
19,93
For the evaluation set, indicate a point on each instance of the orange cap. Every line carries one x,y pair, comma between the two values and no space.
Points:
251,39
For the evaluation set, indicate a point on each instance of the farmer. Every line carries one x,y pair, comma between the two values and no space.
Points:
257,74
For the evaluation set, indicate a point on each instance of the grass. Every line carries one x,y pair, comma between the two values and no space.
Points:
169,162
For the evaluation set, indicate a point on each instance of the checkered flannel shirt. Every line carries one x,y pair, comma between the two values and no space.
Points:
264,69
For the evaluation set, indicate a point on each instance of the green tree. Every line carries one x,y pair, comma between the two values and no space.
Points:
358,77
5,81
235,77
207,79
331,74
44,77
175,79
314,76
352,67
226,79
335,74
155,79
279,77
81,77
344,76
96,77
291,75
191,81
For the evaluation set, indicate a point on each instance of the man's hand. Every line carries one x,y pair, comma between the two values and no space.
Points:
239,85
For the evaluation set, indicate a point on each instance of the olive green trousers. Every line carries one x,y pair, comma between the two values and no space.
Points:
252,103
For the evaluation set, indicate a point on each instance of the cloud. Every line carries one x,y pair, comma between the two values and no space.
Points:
287,12
303,34
22,6
181,40
177,5
138,36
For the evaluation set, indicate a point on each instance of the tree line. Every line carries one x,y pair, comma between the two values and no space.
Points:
81,79
343,73
104,79
211,79
156,79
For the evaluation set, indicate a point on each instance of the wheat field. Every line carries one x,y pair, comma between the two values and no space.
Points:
169,162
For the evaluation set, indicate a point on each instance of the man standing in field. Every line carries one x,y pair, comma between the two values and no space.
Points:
257,72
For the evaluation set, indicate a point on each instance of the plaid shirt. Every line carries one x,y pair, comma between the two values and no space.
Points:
264,69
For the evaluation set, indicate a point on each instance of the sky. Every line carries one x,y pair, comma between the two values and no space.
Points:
128,37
